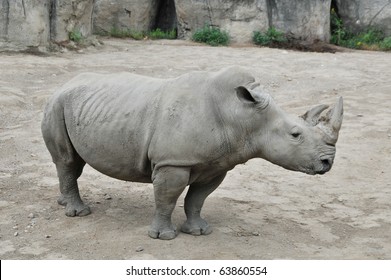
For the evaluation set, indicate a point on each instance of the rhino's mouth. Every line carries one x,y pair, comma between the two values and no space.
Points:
323,167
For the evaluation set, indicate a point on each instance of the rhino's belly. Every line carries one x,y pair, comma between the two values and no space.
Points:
113,156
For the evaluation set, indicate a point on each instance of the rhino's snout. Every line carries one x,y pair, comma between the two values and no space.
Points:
326,166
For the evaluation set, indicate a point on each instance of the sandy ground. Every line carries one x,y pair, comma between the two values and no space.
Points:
261,211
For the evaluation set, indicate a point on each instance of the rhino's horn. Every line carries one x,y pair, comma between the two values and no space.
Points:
335,116
333,121
312,116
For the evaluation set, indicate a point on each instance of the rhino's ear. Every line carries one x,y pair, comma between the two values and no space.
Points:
249,96
312,116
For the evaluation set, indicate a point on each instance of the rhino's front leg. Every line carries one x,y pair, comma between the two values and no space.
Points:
194,201
168,183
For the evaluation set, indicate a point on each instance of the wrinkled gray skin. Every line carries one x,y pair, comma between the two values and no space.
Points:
189,130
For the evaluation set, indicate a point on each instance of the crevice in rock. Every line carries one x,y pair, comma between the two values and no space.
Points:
270,6
92,16
334,7
209,12
379,12
52,19
24,8
6,9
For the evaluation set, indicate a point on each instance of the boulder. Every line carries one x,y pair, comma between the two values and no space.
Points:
70,16
24,24
305,20
239,18
132,15
361,15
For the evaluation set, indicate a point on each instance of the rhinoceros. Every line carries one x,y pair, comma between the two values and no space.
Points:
184,131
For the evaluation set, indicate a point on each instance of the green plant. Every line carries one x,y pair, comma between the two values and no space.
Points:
119,33
270,37
338,32
211,35
75,36
386,44
159,34
137,35
372,36
367,40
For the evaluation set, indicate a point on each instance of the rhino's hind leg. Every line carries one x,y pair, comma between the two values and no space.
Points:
168,183
68,162
70,197
194,201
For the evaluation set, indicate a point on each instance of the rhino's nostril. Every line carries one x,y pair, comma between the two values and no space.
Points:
326,165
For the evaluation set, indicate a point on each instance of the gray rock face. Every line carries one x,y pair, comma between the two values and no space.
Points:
359,15
123,14
238,18
69,16
304,20
134,15
24,24
28,24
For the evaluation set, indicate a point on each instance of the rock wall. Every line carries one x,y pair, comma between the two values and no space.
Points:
134,15
359,15
303,20
29,24
306,20
239,18
35,24
69,16
24,24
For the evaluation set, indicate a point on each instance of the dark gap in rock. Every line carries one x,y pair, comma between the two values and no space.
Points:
334,15
52,19
166,19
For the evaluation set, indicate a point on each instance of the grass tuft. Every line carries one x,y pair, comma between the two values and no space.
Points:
269,38
211,35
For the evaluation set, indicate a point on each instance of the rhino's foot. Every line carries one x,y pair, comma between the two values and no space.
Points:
163,233
74,207
196,227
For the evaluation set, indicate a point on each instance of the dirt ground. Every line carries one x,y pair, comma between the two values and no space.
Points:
261,211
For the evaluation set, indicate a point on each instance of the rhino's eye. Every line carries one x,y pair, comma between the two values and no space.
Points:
295,133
